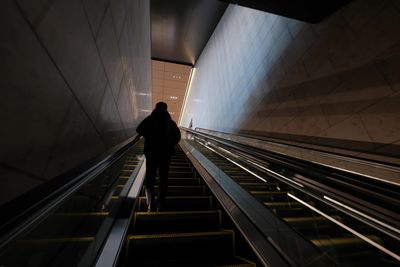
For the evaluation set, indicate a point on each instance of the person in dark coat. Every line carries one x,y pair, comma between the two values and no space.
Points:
161,134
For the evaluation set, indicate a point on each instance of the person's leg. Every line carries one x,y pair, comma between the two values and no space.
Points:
149,182
163,183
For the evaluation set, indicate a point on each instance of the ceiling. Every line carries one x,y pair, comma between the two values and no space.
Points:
312,11
180,29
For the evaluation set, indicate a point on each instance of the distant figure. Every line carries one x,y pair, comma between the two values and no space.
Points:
161,134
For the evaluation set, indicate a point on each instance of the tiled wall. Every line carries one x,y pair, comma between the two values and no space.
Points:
70,74
335,83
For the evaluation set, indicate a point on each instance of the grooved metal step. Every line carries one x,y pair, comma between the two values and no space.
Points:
182,246
175,221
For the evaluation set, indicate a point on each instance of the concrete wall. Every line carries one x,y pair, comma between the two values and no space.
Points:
74,76
336,83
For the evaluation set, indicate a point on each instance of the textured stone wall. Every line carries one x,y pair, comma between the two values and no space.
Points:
74,77
335,83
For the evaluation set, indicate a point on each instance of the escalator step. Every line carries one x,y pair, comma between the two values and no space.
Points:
223,262
182,246
183,181
168,222
184,190
180,169
177,174
182,203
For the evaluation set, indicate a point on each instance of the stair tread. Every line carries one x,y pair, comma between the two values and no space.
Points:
181,221
223,262
179,235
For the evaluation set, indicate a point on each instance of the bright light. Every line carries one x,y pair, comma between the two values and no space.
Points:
277,174
189,86
173,97
237,164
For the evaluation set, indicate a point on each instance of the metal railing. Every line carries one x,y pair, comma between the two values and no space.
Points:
372,202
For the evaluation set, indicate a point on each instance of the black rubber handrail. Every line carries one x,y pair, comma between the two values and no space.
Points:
25,211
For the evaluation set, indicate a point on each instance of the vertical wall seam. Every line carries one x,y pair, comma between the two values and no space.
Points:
102,64
47,52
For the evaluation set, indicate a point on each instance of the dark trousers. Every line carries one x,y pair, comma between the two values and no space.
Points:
154,164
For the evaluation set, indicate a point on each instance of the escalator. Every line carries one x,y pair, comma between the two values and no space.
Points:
303,214
203,225
188,233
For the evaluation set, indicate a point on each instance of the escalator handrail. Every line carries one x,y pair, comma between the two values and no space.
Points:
335,155
249,213
292,162
25,211
305,167
111,250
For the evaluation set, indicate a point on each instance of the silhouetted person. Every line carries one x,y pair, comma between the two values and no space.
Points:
161,134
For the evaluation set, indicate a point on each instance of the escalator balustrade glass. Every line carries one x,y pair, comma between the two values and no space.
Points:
75,231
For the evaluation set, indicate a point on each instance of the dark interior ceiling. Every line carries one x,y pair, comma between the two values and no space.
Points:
312,11
180,29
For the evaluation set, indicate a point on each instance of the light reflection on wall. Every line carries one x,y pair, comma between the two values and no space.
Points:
232,68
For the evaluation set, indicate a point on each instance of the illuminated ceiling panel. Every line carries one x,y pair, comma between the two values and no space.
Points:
169,85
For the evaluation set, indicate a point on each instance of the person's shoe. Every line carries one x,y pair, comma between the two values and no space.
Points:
151,208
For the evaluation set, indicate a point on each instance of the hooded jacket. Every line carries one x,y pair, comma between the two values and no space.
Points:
160,133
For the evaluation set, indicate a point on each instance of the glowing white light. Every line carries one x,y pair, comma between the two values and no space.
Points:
189,86
237,164
277,174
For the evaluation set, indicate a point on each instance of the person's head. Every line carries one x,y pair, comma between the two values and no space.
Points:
162,106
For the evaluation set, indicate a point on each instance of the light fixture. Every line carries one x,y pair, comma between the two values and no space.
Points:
171,112
176,76
173,97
